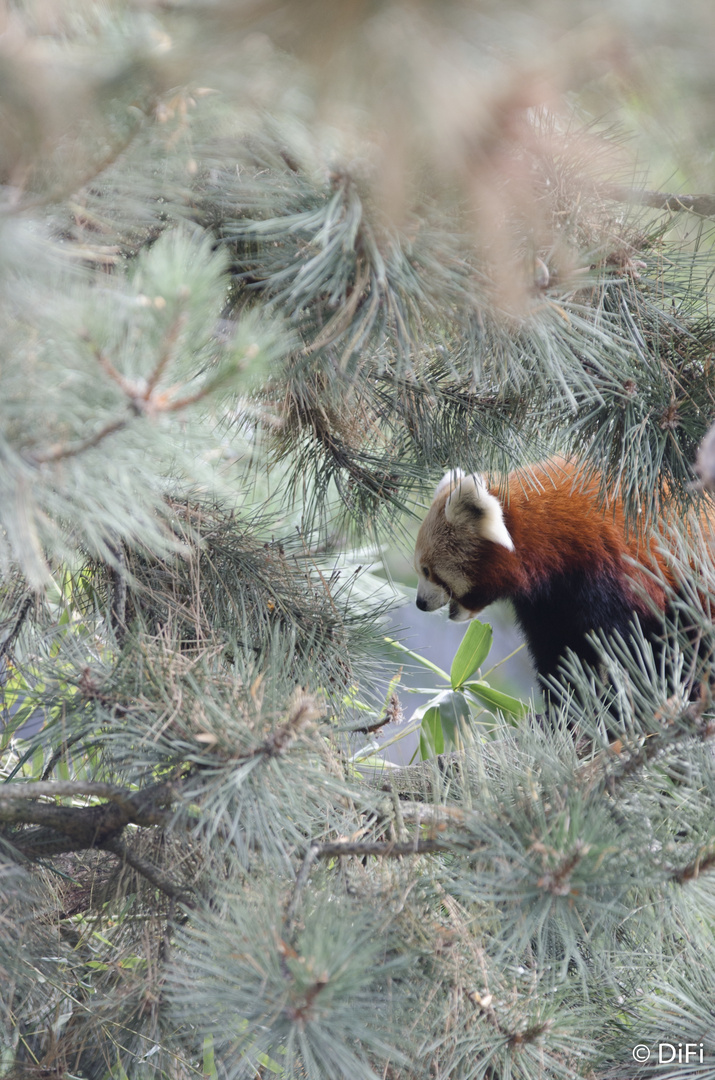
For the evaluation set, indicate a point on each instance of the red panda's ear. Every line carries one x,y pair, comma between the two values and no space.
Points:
470,503
448,481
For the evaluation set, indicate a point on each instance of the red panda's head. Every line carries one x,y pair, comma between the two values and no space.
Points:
463,514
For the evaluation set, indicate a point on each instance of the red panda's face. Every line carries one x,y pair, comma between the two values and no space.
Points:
463,514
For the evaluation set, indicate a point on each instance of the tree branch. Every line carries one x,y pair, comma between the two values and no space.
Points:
149,871
118,605
17,626
40,843
387,848
68,450
704,205
59,194
59,753
166,354
705,860
72,828
32,789
89,824
622,759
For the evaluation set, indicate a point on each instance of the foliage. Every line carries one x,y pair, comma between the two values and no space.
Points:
449,719
266,271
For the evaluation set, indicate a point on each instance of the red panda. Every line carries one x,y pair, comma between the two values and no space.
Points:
562,558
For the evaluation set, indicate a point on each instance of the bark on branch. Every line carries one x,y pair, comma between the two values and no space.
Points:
34,789
387,848
17,626
425,845
149,871
68,450
704,205
704,862
74,828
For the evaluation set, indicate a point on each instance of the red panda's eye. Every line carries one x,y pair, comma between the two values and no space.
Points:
425,571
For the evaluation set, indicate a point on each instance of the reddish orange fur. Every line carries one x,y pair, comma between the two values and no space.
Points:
565,527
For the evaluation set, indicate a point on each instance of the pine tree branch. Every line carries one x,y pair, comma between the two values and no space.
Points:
15,205
704,861
17,626
118,605
64,788
621,761
73,828
428,814
142,399
386,848
163,403
59,753
332,849
88,824
68,450
390,714
148,871
166,354
40,843
704,205
558,880
514,1038
367,729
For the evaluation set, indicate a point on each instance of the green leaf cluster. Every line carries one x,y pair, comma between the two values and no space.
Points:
452,716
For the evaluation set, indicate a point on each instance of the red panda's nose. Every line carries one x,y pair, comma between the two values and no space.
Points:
421,604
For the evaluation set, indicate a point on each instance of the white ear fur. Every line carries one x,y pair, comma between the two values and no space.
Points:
450,478
470,501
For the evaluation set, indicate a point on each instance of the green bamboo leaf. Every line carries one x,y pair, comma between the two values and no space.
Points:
454,713
472,653
442,724
496,701
431,734
374,762
416,656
